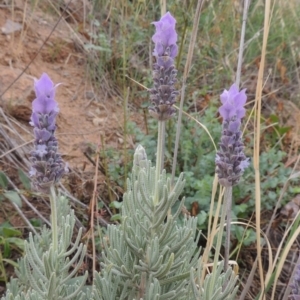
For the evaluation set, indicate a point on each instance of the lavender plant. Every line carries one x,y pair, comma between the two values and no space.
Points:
230,159
149,256
230,164
217,285
45,270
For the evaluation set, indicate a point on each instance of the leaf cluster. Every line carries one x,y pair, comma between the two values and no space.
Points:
149,256
47,273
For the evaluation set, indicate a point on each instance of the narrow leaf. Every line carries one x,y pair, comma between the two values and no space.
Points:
3,180
24,179
13,197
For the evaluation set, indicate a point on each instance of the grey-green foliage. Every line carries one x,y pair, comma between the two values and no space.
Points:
48,274
148,256
217,285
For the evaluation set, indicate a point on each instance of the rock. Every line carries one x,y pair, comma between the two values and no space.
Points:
99,121
11,27
291,209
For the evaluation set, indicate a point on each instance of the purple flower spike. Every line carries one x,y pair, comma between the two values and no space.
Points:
163,94
230,159
47,165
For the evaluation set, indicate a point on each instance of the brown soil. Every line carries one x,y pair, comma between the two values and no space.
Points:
84,114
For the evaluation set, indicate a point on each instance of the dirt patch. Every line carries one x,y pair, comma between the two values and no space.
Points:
85,115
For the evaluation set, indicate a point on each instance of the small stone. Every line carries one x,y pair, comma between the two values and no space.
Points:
98,121
10,27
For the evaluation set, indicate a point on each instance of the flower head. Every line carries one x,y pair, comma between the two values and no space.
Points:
165,37
230,159
163,94
44,87
233,102
47,166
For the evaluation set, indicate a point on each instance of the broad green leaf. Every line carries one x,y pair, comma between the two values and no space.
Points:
274,118
5,224
201,218
17,242
115,204
10,232
13,197
24,179
116,217
295,190
3,180
36,222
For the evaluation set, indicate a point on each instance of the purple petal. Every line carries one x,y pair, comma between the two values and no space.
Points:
244,164
235,126
44,87
42,135
165,36
240,112
227,110
40,150
233,102
241,98
51,121
34,120
224,96
168,19
158,49
44,105
233,90
162,61
174,50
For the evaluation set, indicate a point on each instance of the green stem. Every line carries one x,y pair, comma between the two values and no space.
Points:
2,269
227,195
228,204
159,158
54,218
